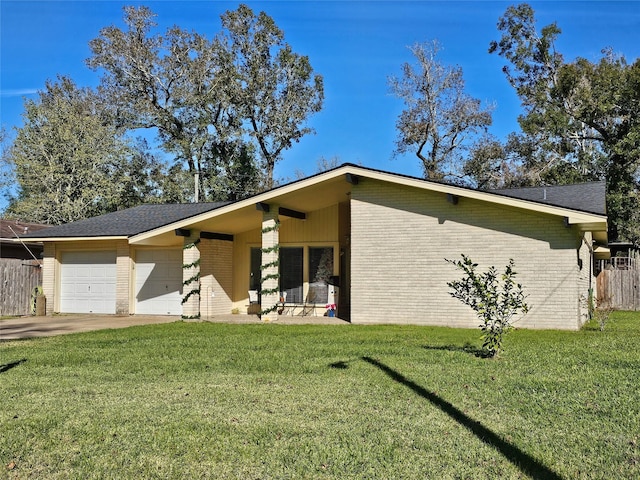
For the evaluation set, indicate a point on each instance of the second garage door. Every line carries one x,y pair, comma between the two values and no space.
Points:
159,282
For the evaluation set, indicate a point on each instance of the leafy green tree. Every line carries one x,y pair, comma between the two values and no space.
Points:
276,89
241,176
487,165
496,300
209,99
440,119
177,84
582,118
70,161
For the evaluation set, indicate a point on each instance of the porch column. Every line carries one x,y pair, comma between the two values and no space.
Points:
269,268
48,277
191,276
123,275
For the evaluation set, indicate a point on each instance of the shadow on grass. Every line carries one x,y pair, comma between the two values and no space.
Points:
466,348
9,366
526,463
339,365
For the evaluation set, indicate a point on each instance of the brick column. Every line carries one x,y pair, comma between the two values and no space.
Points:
191,276
123,275
48,277
270,284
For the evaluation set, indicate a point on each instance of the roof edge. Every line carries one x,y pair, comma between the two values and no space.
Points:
573,216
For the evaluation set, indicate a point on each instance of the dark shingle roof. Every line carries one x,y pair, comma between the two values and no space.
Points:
585,197
128,222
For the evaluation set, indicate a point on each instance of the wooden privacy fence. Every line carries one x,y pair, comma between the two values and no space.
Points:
18,278
619,289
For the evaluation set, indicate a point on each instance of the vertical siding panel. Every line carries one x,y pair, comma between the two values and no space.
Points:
18,278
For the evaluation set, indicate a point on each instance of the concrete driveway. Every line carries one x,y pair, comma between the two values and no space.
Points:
30,327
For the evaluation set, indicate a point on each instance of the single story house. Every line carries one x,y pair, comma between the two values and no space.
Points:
374,243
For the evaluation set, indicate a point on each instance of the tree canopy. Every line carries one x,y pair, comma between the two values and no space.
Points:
214,102
440,119
69,160
580,120
275,91
224,109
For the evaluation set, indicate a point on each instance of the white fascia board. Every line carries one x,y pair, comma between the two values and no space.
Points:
67,239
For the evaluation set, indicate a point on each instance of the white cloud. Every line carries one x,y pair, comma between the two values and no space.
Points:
18,92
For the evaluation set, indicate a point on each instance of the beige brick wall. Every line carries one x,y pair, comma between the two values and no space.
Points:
123,275
48,276
400,237
216,277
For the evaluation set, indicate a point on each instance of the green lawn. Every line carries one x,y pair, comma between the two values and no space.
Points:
201,400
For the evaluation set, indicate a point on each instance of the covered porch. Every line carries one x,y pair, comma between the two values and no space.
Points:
286,257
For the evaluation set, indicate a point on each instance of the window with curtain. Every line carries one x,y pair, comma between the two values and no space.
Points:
320,269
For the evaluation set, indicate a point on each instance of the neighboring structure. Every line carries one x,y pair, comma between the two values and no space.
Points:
10,230
382,237
20,272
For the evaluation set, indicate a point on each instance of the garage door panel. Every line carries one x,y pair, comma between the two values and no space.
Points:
159,282
88,282
98,288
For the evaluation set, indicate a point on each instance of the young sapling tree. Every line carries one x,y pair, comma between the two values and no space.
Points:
496,299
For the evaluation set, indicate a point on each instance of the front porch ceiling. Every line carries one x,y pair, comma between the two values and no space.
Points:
244,216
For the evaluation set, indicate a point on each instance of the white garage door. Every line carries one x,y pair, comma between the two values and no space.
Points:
88,282
159,282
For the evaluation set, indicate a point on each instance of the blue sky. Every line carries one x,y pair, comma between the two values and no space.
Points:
355,45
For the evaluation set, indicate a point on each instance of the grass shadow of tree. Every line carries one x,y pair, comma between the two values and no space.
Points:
9,366
525,462
466,348
339,365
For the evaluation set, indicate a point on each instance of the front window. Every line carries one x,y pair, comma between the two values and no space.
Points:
319,261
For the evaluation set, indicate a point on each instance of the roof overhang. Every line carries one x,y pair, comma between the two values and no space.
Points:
334,186
601,252
307,195
68,239
330,188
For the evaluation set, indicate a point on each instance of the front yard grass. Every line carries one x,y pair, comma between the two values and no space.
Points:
203,400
